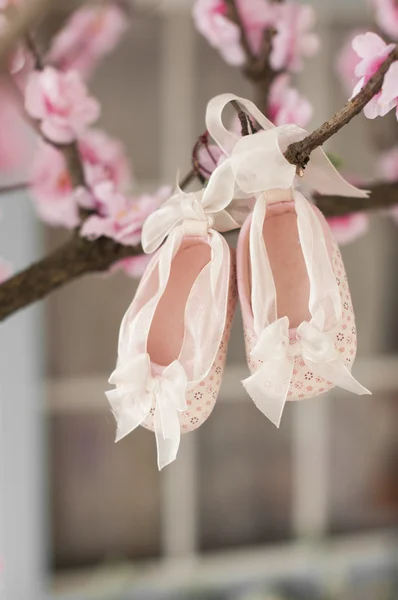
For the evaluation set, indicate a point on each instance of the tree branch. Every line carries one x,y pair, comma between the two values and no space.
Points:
79,257
383,196
299,152
73,259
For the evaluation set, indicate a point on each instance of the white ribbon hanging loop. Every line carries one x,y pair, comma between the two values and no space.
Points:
257,161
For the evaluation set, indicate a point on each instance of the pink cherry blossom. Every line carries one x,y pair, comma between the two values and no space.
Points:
6,270
349,228
211,19
61,102
373,51
387,16
120,217
91,33
389,92
257,16
52,190
103,158
286,105
293,39
347,61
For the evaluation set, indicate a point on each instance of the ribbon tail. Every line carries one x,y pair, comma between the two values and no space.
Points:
129,413
325,179
167,432
338,374
268,388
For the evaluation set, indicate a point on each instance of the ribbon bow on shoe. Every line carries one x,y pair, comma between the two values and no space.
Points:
138,390
192,213
269,386
256,163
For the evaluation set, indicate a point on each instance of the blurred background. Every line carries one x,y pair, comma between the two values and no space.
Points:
247,512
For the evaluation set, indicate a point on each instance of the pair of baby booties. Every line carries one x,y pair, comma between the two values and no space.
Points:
298,319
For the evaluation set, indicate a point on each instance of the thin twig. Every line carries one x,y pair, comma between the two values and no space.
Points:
299,152
243,118
187,180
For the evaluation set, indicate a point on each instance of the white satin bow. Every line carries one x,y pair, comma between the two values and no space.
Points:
269,386
196,212
138,390
256,162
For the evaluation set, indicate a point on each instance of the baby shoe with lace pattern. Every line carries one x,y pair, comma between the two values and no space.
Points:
298,318
173,338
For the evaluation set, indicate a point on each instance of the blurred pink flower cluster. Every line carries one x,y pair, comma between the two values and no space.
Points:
120,217
90,34
116,213
349,228
292,42
57,203
286,105
57,98
291,20
61,103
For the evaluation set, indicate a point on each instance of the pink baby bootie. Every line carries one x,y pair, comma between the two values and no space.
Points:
298,319
174,336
